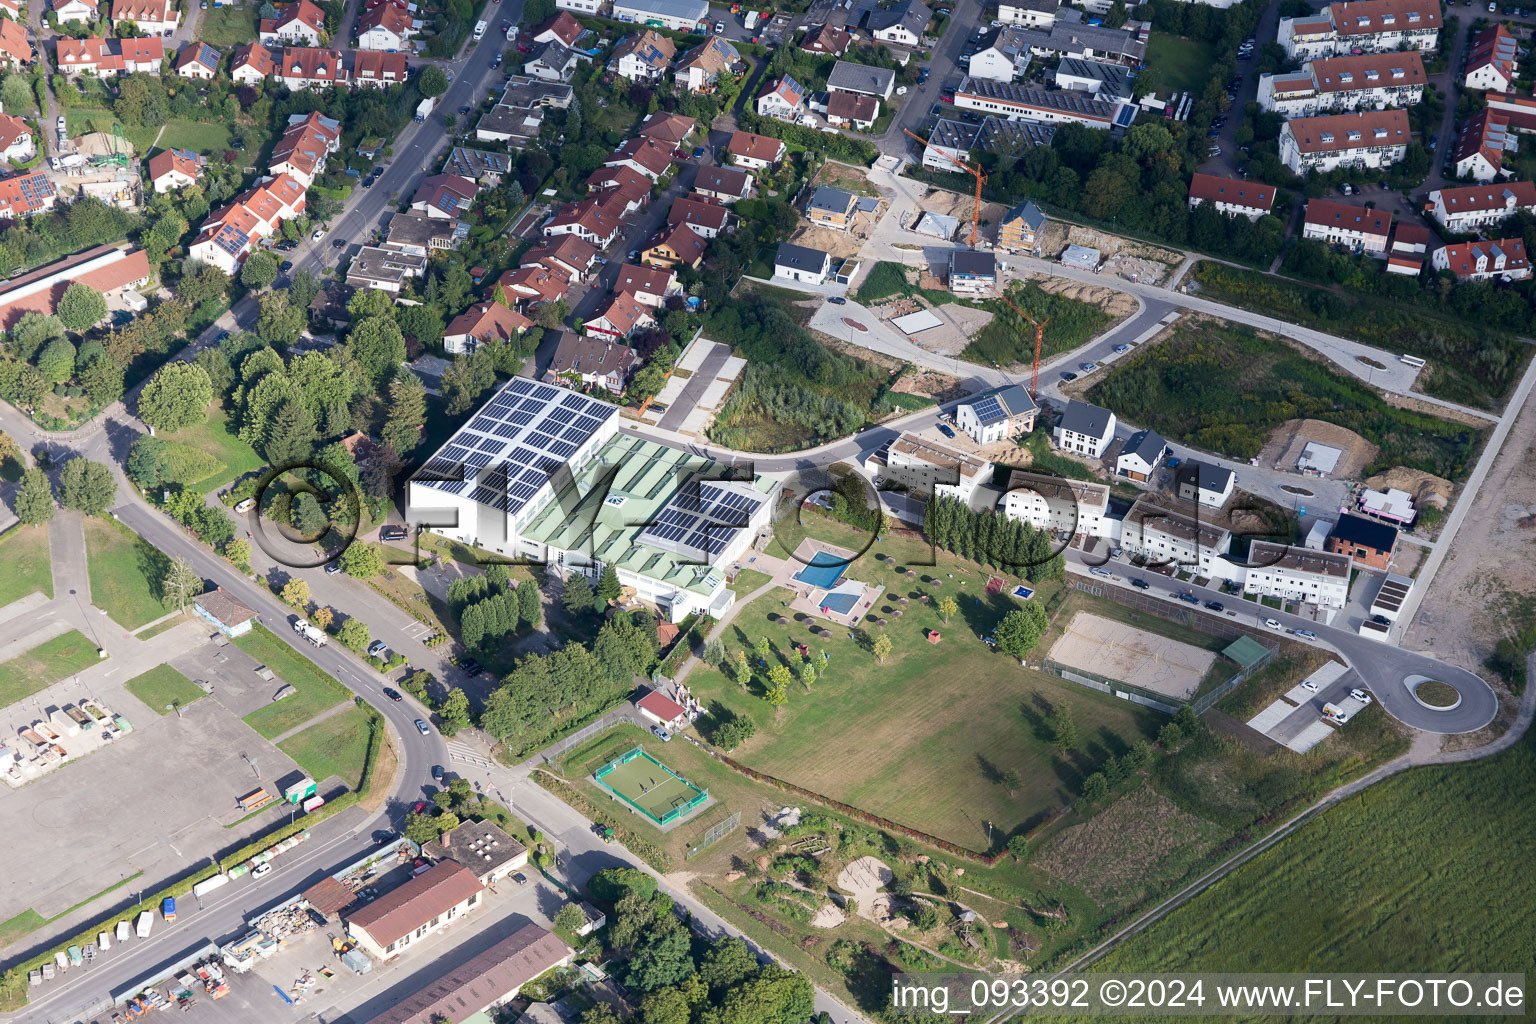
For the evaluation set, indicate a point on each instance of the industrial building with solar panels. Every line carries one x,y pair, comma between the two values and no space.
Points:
542,473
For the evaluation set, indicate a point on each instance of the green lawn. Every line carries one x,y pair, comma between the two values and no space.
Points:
201,137
227,25
1182,64
45,665
214,438
901,740
1009,339
1434,894
82,120
23,924
1226,388
25,549
125,573
164,685
317,690
337,746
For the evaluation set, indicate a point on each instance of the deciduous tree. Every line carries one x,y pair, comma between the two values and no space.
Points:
86,486
176,396
34,498
81,307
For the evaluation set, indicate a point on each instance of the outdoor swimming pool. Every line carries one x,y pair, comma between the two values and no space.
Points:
824,571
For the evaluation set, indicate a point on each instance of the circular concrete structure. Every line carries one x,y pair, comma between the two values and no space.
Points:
1414,682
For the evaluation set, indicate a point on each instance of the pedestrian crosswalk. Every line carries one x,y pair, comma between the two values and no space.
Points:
468,755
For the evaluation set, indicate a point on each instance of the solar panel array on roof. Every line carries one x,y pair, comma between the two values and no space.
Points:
509,449
703,518
989,410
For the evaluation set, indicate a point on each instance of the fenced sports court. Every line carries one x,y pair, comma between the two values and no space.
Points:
1125,653
650,787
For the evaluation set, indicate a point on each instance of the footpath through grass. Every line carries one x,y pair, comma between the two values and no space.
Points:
1226,388
317,691
26,555
337,746
164,685
125,573
1438,891
45,665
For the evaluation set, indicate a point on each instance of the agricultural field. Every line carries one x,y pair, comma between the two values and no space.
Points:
25,552
1225,388
1439,838
125,573
317,690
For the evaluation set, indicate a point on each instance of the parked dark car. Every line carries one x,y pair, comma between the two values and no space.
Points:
393,532
1141,584
437,773
1215,606
471,667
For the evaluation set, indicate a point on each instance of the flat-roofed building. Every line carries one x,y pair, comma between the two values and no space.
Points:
930,468
1296,574
1161,536
1066,507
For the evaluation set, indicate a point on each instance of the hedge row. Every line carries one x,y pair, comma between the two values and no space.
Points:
13,983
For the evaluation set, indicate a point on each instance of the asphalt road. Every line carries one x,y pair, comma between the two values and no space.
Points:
1381,666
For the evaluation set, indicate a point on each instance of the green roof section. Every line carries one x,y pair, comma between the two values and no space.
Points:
1246,651
603,511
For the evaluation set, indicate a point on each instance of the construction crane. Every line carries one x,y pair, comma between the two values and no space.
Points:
1034,377
980,179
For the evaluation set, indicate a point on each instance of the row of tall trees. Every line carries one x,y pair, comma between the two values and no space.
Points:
1010,545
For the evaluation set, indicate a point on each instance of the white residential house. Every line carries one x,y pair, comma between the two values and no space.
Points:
1140,456
1203,482
1036,14
801,263
1231,197
385,27
996,415
83,11
300,23
1465,209
1363,26
1065,507
1361,140
1161,536
1356,228
1483,261
1370,81
1296,574
902,24
781,98
1480,149
927,467
1002,56
1084,429
1493,61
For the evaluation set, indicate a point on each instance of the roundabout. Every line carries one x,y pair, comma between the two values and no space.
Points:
1433,694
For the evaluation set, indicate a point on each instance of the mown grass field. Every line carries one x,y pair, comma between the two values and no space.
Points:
125,573
317,690
1182,64
1416,874
337,746
44,665
198,136
1225,388
25,553
214,438
164,685
228,25
925,738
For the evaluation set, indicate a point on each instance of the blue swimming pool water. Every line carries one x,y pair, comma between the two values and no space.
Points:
823,571
841,604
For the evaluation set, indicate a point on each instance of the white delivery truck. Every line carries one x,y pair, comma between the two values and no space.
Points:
424,108
207,885
142,926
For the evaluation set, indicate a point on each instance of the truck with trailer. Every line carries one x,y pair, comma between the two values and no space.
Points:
309,631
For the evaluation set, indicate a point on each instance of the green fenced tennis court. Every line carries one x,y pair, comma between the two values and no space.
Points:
650,787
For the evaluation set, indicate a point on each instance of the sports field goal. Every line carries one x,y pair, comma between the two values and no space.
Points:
650,787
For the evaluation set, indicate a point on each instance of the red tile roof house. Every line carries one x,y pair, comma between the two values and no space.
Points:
649,157
754,151
671,129
624,188
593,362
198,60
566,255
106,269
529,286
827,39
305,67
253,64
1479,152
15,50
619,318
16,142
846,108
26,194
375,70
1410,243
1492,61
103,57
83,11
304,146
700,214
1355,227
384,27
563,28
659,709
649,285
483,322
229,235
1481,261
781,98
1231,198
155,17
673,246
445,196
174,169
589,219
300,23
1464,209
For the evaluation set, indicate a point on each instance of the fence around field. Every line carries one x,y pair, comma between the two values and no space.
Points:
1113,687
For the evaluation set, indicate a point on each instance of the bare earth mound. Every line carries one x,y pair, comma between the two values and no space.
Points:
1291,438
1117,304
863,880
1120,846
1426,488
